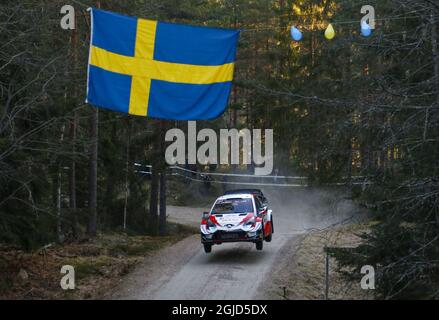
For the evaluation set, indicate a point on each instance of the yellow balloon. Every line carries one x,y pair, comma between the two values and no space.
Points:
329,32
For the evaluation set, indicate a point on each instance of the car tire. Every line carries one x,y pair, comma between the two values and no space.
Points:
259,245
207,248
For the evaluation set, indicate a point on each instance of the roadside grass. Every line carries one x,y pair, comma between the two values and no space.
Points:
99,264
302,274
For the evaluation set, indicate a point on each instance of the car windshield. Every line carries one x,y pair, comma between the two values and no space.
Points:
235,205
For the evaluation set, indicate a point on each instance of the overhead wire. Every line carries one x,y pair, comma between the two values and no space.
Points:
402,16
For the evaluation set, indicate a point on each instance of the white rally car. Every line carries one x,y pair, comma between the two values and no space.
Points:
235,218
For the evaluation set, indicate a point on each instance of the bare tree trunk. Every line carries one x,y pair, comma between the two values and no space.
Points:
153,200
162,220
235,94
73,122
72,179
58,207
434,36
58,196
162,196
347,87
93,170
436,70
126,175
154,189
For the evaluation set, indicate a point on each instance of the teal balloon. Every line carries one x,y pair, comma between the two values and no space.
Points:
366,30
296,34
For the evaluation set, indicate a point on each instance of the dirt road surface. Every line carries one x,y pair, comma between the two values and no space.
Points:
234,270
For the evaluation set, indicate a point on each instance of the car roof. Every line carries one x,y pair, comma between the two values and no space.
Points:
243,191
236,195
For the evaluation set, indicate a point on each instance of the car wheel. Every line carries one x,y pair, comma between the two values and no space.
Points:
207,248
269,237
259,245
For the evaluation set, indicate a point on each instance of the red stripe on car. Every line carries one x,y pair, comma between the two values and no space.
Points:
247,217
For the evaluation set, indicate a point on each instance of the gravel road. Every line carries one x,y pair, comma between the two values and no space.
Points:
235,270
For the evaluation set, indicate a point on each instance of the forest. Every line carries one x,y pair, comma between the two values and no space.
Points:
341,109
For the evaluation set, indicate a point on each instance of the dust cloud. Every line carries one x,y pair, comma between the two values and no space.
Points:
309,208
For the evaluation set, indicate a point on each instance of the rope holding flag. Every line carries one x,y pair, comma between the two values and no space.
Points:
161,70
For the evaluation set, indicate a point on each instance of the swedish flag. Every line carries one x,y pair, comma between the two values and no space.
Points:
160,70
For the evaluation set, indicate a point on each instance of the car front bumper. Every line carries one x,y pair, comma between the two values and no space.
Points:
221,236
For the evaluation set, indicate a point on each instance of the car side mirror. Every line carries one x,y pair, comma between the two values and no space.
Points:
205,215
262,211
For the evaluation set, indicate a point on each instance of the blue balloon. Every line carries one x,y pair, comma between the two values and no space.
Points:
296,34
366,30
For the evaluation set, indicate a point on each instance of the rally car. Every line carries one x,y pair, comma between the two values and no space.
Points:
235,218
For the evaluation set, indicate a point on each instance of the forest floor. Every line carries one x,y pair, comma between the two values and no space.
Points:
99,265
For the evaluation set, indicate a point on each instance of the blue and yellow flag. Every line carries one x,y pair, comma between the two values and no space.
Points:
160,70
